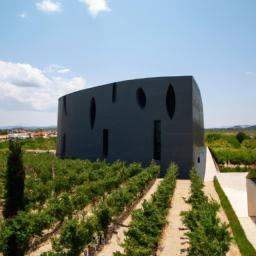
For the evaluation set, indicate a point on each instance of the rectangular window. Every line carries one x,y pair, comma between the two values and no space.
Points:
105,143
157,140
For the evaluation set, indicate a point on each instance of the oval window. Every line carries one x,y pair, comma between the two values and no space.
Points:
170,101
92,112
141,97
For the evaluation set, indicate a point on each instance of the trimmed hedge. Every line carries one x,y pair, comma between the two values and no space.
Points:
234,156
236,169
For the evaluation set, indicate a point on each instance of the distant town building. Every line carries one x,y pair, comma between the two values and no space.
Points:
19,133
14,136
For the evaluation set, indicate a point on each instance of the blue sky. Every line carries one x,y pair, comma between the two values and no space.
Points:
51,47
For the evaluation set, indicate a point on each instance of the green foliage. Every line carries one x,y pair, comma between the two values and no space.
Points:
3,160
73,237
222,140
34,143
207,235
15,176
238,149
244,245
211,137
147,223
236,169
252,175
234,156
249,144
241,136
93,180
21,227
60,207
3,131
106,212
103,216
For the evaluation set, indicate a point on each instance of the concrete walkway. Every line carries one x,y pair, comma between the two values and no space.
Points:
118,238
234,186
174,242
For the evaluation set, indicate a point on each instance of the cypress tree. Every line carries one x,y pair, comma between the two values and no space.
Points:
14,195
14,185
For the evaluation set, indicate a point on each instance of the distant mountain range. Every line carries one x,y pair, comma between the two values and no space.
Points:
236,127
8,127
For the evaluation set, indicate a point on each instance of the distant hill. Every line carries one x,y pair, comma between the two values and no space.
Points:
234,128
28,127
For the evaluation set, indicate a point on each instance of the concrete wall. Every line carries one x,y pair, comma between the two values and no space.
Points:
128,110
251,197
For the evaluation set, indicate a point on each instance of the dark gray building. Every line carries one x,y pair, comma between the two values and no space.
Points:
136,120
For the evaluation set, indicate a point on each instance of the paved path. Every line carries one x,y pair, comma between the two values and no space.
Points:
234,186
173,242
114,244
39,151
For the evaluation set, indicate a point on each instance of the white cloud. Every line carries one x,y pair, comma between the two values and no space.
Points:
96,6
63,71
31,88
23,15
55,68
49,6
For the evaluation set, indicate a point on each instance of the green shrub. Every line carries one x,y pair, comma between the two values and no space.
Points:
29,224
236,169
147,223
241,136
249,143
252,175
235,156
207,235
106,212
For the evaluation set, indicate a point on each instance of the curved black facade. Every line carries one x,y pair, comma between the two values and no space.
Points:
136,120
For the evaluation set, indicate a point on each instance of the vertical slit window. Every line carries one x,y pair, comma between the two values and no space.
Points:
114,87
105,143
157,140
65,105
92,112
